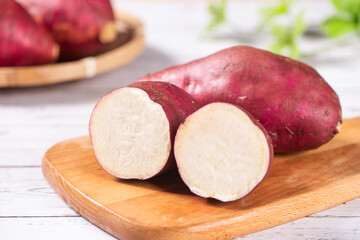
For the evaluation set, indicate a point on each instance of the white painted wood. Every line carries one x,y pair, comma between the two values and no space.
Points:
32,120
53,228
312,228
25,193
78,228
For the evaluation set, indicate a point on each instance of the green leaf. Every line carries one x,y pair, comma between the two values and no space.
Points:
277,48
299,25
336,27
350,6
217,13
279,31
282,39
269,13
358,25
285,37
212,10
294,51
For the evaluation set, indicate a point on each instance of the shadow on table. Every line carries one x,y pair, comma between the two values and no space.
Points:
291,176
85,90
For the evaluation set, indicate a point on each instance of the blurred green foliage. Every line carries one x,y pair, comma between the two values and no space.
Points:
286,37
346,19
269,13
217,13
286,34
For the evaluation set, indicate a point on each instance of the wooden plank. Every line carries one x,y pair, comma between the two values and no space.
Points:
346,210
24,192
30,195
312,229
298,185
60,228
55,228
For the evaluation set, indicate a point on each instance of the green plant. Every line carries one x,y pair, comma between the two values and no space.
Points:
285,36
217,12
271,12
346,19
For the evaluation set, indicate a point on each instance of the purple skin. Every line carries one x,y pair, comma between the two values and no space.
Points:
177,105
75,24
291,100
22,41
267,136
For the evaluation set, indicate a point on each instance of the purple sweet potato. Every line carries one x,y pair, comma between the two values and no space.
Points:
22,41
290,99
132,129
81,27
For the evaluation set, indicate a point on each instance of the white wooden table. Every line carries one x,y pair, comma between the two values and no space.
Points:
32,120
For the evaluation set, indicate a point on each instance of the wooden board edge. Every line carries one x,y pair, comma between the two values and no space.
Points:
124,229
95,213
294,206
72,197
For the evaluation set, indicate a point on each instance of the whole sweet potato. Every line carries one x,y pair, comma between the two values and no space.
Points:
81,27
289,98
132,129
22,41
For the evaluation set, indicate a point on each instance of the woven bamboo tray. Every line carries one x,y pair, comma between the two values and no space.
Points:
121,52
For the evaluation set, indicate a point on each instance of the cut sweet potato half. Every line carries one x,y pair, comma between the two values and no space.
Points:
222,152
132,129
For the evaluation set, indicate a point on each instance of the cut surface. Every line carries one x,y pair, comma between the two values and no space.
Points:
130,134
221,153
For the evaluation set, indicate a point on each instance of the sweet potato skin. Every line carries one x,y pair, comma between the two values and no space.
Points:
176,103
289,98
76,25
22,41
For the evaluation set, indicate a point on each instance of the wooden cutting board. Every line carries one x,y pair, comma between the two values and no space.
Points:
163,208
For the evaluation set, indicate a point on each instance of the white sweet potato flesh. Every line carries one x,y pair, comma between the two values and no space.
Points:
132,129
221,152
130,132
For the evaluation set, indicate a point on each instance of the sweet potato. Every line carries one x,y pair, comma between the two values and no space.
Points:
82,28
222,152
289,98
132,129
22,41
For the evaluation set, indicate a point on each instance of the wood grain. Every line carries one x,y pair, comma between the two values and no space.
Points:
60,228
20,185
163,208
31,196
83,68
